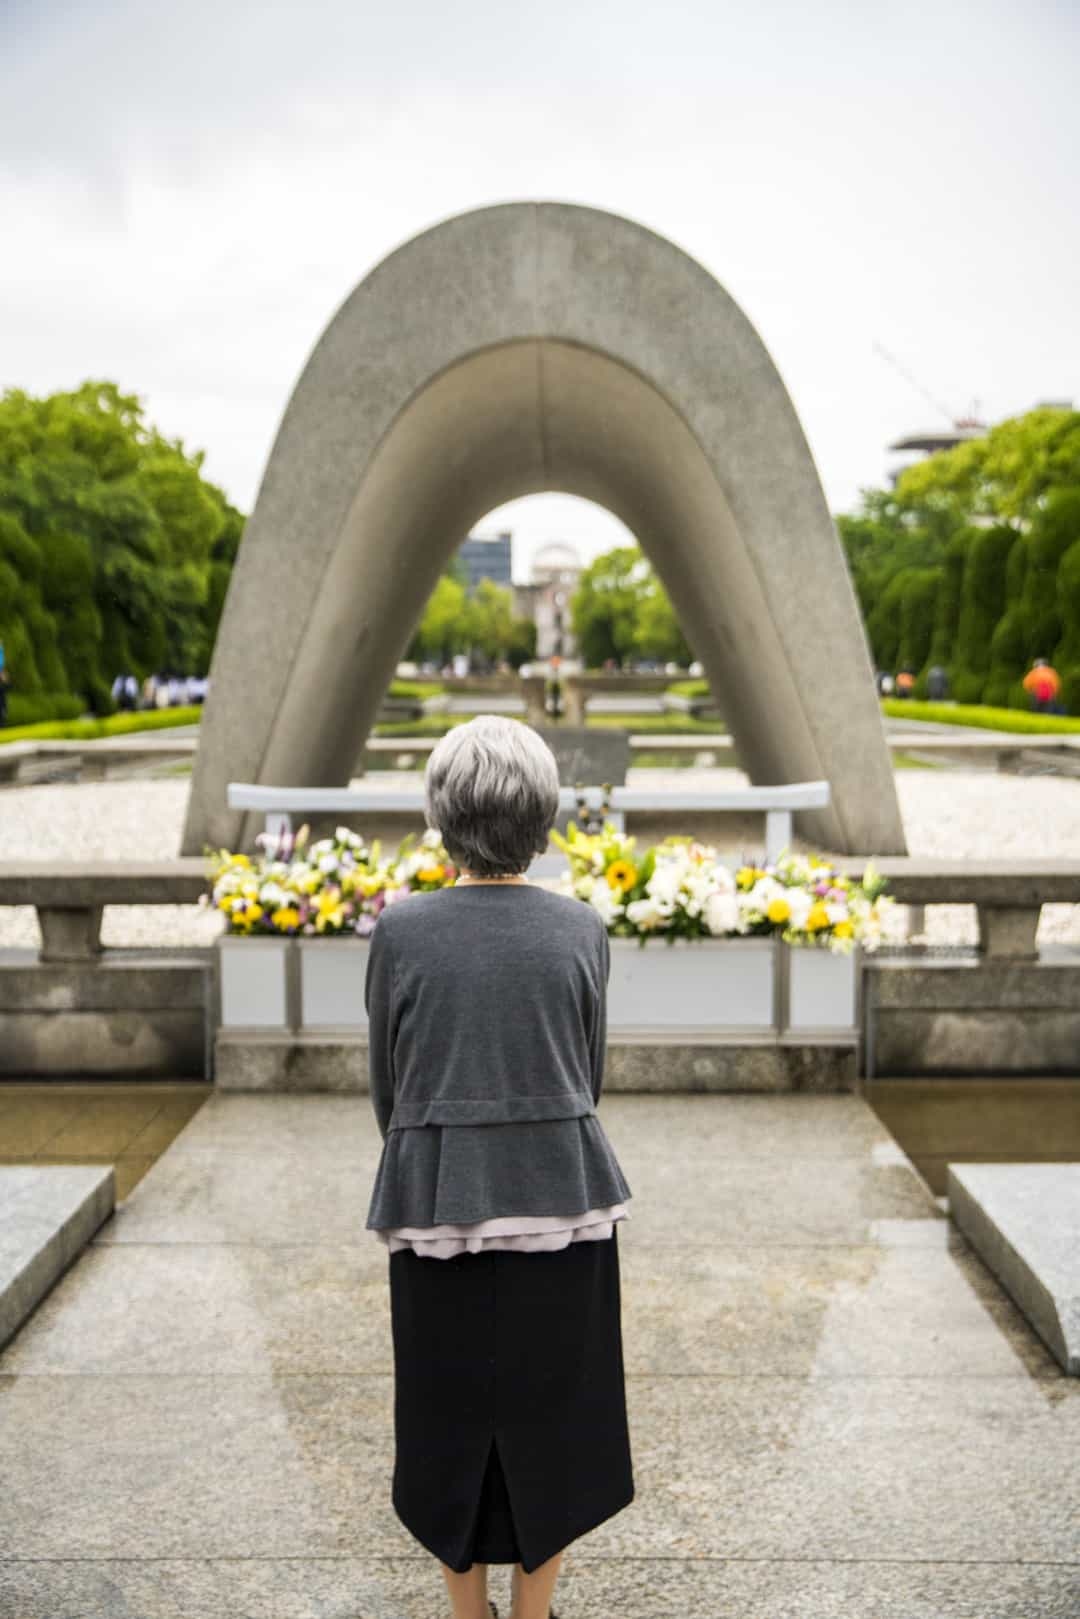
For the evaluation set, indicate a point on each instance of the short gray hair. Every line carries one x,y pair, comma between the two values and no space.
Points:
491,787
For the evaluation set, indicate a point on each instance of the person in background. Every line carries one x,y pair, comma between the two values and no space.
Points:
125,693
905,682
1043,684
937,684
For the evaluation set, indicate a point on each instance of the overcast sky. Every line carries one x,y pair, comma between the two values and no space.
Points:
189,191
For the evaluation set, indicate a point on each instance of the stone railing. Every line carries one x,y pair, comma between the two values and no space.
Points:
93,759
1008,895
578,688
79,1010
1007,1008
69,896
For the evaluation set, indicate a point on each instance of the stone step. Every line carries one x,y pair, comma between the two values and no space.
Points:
48,1214
1024,1222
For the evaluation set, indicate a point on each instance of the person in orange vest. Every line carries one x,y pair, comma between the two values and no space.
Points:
905,682
1043,683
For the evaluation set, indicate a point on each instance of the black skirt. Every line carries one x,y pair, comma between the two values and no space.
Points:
510,1423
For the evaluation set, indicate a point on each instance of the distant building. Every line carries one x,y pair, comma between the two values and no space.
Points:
487,559
917,446
555,571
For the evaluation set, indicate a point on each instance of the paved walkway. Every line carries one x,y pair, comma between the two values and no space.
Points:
834,1408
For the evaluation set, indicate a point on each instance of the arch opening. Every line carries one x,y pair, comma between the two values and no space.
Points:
599,361
513,421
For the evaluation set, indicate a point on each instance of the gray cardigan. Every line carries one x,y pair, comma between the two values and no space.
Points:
486,1032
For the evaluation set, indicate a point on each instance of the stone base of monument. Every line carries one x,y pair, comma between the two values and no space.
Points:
121,1014
250,1061
727,1014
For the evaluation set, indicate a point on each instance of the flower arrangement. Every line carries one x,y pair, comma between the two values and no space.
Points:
680,888
330,887
808,902
677,889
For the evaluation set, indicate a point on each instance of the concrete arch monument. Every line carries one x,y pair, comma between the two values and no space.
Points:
521,348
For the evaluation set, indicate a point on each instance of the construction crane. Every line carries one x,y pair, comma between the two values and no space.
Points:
961,424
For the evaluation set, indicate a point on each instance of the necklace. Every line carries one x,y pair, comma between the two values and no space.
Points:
465,878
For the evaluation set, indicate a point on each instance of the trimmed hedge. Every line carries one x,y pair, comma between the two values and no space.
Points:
990,719
154,719
50,717
56,705
417,689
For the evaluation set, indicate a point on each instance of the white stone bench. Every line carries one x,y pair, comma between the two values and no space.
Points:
778,803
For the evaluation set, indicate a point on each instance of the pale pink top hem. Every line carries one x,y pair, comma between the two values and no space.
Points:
524,1233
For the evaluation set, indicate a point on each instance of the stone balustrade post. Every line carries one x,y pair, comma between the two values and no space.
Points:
532,694
70,933
574,694
1008,930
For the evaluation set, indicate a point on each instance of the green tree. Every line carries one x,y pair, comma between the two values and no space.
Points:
1067,656
489,619
126,532
657,633
522,648
1006,473
976,538
440,632
605,606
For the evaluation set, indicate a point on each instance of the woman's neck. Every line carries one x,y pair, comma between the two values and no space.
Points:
466,877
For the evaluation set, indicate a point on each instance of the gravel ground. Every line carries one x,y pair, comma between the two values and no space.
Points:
947,814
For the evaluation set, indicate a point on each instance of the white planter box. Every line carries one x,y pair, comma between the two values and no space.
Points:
693,987
253,982
821,989
332,973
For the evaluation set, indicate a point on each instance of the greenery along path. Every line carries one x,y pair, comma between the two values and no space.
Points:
964,714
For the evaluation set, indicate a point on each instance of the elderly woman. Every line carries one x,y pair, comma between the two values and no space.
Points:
497,1192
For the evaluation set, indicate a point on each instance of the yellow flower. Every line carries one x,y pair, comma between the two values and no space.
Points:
285,917
817,917
431,874
844,930
778,910
329,911
621,874
244,920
